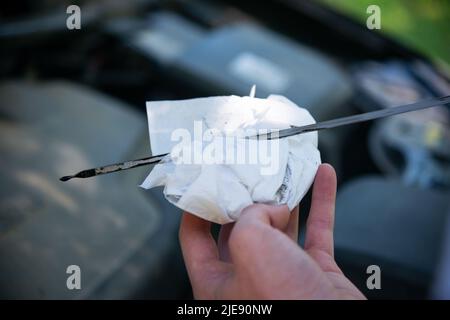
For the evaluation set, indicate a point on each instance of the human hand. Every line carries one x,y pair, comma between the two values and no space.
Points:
258,257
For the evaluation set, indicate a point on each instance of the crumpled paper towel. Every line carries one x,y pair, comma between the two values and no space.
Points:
218,192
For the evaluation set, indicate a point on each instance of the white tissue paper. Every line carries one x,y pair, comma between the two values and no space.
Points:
219,191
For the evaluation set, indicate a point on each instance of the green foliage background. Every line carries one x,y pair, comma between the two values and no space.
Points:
423,25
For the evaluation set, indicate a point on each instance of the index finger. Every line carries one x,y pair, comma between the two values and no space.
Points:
200,254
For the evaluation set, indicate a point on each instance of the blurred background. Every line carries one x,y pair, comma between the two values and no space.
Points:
75,99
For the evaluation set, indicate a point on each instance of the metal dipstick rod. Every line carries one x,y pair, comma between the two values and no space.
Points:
368,116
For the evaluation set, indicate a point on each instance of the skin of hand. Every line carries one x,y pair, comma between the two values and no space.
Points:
258,256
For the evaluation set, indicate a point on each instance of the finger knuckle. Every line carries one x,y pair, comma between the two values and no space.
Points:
242,236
